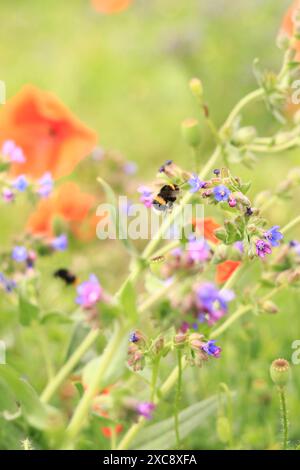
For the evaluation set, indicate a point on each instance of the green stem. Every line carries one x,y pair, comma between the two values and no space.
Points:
178,397
284,417
79,418
235,316
154,378
67,368
291,224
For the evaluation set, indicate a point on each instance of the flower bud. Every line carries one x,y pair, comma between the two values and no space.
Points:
180,340
245,135
280,372
191,132
221,253
196,88
269,307
158,345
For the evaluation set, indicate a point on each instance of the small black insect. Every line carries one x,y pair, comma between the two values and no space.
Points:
166,197
64,274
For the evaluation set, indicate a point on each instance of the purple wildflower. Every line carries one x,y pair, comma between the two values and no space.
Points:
273,235
8,284
263,248
133,338
221,193
146,195
45,185
196,184
14,153
8,195
212,303
20,183
163,167
60,243
198,249
89,292
145,409
211,348
19,254
239,246
296,246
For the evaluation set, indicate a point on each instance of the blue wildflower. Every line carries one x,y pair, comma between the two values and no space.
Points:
20,183
133,338
221,193
212,304
195,183
60,243
273,235
8,284
19,254
211,348
45,185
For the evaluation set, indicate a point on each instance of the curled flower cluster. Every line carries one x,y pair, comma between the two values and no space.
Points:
196,349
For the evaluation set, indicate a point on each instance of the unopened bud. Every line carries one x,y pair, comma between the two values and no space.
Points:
191,132
221,253
269,307
196,88
245,135
180,340
280,372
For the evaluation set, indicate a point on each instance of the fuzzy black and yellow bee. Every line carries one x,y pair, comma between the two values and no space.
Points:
66,275
166,197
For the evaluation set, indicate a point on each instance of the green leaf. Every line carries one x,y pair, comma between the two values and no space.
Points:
55,317
27,311
128,302
120,231
4,166
162,436
34,411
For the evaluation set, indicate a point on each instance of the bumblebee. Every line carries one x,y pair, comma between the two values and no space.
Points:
166,197
66,276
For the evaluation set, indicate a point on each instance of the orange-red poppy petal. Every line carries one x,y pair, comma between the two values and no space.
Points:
52,138
225,270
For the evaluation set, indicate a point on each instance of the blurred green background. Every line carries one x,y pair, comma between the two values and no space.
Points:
126,75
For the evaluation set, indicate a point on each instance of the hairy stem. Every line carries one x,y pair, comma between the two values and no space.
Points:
79,418
178,397
284,417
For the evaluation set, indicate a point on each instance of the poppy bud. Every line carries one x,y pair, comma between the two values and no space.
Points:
280,372
196,88
191,132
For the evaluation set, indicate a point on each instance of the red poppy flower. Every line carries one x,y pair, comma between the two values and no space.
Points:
69,203
51,137
207,227
225,270
110,6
